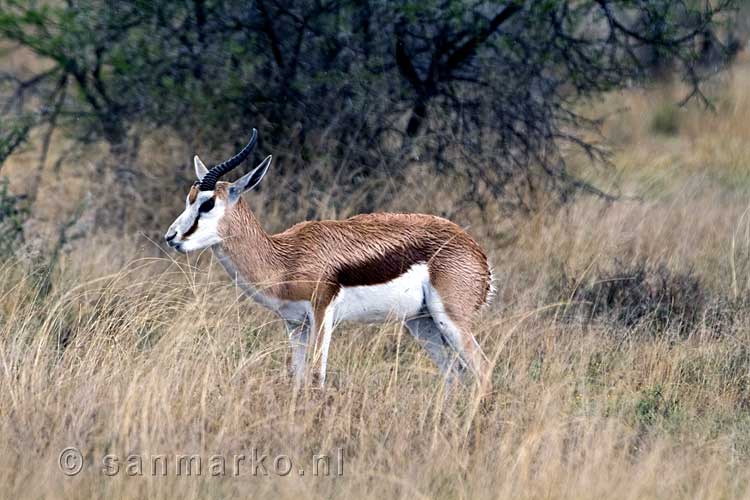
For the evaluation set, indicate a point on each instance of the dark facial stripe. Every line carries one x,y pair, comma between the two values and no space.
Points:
193,228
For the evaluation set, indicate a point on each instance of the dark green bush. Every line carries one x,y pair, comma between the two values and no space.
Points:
645,295
12,216
665,120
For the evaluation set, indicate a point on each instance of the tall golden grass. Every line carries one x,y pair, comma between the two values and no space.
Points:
127,350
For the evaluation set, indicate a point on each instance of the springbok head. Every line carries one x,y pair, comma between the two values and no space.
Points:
208,200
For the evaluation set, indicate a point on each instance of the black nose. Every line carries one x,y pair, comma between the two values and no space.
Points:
170,237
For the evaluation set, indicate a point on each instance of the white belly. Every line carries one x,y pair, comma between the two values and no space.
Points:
394,300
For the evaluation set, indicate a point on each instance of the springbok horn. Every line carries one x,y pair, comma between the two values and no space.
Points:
208,183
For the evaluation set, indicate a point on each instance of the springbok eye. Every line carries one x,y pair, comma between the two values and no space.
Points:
206,206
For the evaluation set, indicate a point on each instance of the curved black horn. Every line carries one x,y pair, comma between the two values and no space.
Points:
208,183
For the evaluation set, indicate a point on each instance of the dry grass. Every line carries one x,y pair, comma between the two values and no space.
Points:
161,358
127,350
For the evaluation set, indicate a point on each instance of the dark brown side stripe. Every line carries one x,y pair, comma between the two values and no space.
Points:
382,269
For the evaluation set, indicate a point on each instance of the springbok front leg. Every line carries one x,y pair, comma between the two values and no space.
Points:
299,333
321,330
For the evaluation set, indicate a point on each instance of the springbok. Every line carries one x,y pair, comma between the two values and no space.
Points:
421,270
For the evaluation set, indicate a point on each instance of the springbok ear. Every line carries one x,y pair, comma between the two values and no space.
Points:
200,168
250,180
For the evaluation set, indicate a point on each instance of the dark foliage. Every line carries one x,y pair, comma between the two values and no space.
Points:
656,297
12,135
485,89
12,216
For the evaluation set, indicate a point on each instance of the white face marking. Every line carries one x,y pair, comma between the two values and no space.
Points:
185,236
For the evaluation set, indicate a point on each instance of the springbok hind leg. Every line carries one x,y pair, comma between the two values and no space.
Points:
458,334
428,335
